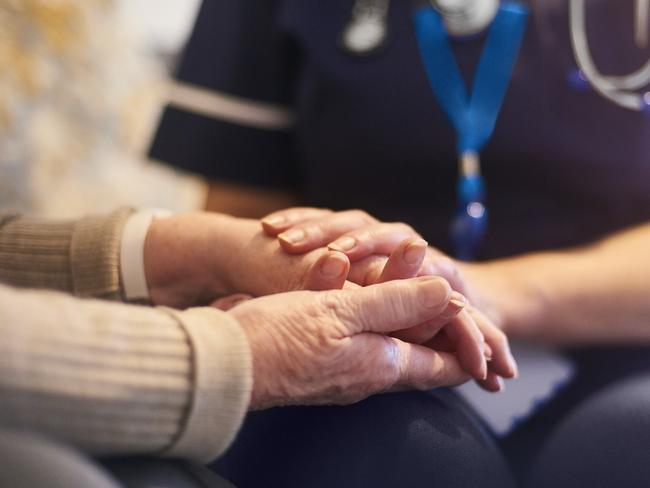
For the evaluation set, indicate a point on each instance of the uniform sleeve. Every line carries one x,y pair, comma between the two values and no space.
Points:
229,114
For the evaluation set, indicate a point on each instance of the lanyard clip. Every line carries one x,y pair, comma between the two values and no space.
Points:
469,225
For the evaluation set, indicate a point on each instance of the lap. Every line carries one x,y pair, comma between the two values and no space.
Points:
600,391
407,439
603,442
596,431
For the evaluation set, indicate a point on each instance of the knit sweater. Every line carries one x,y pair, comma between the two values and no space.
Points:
110,378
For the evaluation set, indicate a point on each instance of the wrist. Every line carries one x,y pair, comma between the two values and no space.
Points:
263,352
507,292
239,252
183,260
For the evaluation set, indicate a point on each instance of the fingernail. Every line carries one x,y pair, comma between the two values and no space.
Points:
457,302
513,366
293,236
344,244
274,221
454,307
414,252
487,352
484,367
334,266
458,297
502,384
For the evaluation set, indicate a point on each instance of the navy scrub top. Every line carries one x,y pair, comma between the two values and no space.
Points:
564,165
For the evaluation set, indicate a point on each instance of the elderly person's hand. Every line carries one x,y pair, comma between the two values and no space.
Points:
332,347
192,259
383,251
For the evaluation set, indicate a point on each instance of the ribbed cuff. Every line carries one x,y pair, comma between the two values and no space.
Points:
95,255
35,253
222,384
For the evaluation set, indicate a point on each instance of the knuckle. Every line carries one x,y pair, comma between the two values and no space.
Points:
316,230
364,235
340,310
362,215
292,214
404,227
375,371
331,301
313,232
392,367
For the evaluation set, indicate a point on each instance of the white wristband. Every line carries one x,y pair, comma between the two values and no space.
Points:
134,279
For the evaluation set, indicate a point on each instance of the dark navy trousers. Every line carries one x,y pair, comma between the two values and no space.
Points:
595,433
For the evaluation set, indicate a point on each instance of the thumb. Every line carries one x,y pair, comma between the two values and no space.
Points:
392,306
329,272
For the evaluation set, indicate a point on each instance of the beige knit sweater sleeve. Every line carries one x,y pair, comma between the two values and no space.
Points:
79,257
107,377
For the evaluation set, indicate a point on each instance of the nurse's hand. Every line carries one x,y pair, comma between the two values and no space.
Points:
334,347
367,243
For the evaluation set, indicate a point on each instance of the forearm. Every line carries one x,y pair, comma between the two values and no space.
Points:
118,379
596,294
192,259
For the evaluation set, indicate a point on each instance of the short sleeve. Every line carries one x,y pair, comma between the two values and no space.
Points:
229,114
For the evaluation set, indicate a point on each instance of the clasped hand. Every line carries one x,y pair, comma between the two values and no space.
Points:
384,324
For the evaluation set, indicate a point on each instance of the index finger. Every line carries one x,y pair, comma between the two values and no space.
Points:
468,341
277,222
315,233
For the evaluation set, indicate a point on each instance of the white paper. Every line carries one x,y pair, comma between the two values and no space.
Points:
542,373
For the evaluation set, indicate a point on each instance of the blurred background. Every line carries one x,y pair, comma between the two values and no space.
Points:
78,105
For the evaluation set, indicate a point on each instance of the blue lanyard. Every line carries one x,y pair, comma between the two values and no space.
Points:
473,117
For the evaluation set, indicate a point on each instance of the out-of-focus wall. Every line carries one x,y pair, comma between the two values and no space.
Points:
81,86
161,25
